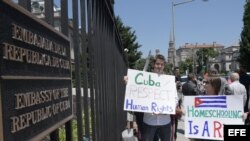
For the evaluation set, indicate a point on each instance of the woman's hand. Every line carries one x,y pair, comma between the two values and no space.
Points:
244,116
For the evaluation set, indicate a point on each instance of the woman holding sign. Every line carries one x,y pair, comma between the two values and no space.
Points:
212,87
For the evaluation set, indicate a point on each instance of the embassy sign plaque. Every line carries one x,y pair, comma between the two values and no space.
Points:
35,76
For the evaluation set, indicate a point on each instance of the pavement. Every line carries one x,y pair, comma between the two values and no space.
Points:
181,130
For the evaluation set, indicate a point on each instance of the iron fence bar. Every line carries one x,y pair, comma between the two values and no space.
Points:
104,121
115,59
114,88
97,75
54,136
102,75
64,17
105,80
84,70
68,130
49,12
110,73
64,29
77,70
92,36
49,18
114,84
94,92
25,4
96,80
111,108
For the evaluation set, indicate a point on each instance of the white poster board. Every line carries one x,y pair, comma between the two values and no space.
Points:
206,115
150,92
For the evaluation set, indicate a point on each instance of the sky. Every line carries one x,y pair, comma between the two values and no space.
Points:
199,22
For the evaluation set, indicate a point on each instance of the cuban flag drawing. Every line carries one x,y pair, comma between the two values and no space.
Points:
210,102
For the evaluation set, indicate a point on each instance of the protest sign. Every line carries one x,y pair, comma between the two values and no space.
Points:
205,116
150,92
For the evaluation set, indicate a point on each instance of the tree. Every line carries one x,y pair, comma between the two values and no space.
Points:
168,68
139,65
245,37
203,55
186,65
129,42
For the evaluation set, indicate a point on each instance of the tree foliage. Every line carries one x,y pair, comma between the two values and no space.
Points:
202,57
245,37
139,65
186,65
129,42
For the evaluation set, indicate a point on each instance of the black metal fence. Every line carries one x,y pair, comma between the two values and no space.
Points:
99,65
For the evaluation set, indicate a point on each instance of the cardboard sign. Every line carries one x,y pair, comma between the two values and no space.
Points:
150,92
205,116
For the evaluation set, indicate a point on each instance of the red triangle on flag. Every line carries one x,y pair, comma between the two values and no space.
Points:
197,101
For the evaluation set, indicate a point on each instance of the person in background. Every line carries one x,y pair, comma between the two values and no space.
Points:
189,88
205,75
177,74
245,80
201,84
229,81
237,87
224,89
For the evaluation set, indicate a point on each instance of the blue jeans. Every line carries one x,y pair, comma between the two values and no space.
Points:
163,131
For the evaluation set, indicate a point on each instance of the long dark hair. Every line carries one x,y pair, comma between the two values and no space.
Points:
215,82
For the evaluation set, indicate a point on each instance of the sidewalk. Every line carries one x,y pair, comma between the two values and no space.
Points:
180,130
